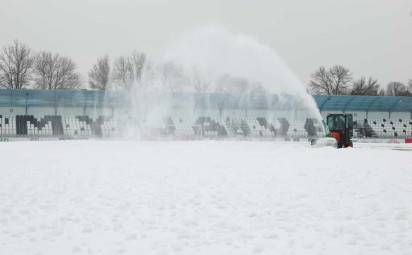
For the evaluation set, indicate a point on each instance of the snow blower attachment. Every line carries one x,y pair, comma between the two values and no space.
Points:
324,142
339,129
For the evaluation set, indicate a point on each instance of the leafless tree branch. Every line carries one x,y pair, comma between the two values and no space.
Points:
128,70
16,64
365,87
334,81
53,71
396,88
99,75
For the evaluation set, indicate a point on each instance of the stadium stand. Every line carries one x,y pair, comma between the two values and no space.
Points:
83,114
376,116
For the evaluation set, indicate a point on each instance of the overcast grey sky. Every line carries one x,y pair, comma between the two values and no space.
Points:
371,37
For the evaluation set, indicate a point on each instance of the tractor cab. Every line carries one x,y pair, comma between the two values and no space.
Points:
340,127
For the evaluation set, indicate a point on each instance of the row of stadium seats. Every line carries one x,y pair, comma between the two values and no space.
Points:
74,127
7,126
203,126
79,126
390,127
259,127
206,126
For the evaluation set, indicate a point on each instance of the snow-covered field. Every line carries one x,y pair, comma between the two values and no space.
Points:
203,197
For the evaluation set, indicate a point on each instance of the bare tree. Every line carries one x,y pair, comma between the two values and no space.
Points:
365,87
123,72
138,61
128,70
200,82
396,88
53,71
16,64
321,82
334,81
99,76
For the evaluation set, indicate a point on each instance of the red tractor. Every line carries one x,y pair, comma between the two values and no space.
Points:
339,131
340,127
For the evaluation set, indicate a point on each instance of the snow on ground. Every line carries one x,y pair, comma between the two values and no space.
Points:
203,197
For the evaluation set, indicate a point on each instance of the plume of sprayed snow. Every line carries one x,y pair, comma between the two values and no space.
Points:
215,52
206,60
